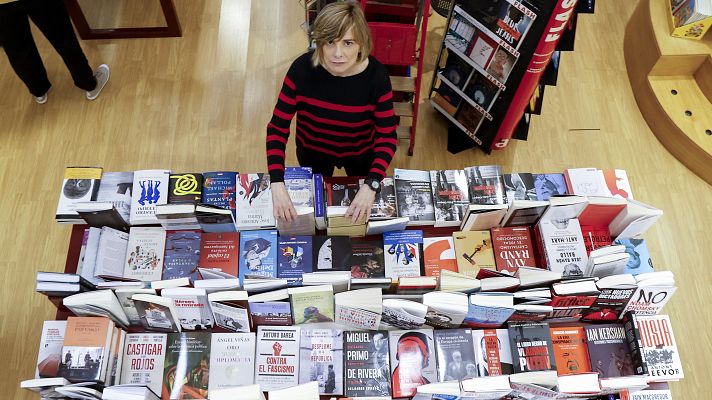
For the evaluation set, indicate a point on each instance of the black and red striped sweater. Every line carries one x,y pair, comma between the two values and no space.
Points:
336,116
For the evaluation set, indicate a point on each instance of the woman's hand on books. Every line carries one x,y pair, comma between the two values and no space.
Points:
360,207
282,204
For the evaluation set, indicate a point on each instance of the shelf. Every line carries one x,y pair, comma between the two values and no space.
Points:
474,65
456,122
487,31
671,79
465,97
403,84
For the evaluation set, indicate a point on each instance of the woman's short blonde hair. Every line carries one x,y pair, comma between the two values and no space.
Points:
332,23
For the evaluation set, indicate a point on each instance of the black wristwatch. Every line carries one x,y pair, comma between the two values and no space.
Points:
373,184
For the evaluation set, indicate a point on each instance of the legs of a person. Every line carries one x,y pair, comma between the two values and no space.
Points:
319,163
16,39
52,19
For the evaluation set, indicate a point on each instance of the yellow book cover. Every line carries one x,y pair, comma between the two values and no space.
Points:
695,30
473,250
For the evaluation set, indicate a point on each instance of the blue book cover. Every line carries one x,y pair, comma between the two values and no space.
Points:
403,253
547,185
298,181
258,253
295,258
487,316
182,255
639,261
219,189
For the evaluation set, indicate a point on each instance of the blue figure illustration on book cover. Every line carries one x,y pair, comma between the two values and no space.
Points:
149,192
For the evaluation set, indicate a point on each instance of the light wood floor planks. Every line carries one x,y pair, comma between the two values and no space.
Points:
201,102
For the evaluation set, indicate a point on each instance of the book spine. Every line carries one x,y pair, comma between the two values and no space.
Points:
319,209
635,343
560,17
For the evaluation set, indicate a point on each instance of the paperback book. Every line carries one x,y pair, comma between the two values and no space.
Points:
185,188
258,251
145,250
277,357
531,346
331,253
295,258
80,184
219,252
115,188
144,354
413,360
492,352
455,352
232,360
450,196
609,351
219,190
321,359
367,259
414,196
182,255
254,202
150,188
402,253
50,353
366,364
438,255
186,369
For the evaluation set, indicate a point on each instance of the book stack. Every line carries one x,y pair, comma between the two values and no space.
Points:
691,19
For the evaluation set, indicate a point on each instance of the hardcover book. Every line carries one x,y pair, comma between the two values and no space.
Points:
367,259
570,350
186,369
659,348
144,257
450,196
86,349
331,253
608,350
295,258
366,364
455,352
277,357
258,251
182,255
474,251
144,354
413,360
219,252
185,188
492,351
219,189
254,202
531,346
321,359
115,188
50,353
414,196
150,188
512,248
563,247
232,360
438,255
402,253
486,184
80,184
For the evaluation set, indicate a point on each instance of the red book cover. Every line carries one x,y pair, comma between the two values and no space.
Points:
438,254
570,350
219,252
513,248
595,237
570,308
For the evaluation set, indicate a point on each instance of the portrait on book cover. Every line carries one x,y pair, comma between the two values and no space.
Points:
411,360
512,23
501,64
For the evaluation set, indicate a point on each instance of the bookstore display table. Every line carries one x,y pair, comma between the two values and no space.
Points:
671,79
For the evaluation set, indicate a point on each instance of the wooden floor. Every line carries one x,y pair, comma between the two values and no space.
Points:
201,102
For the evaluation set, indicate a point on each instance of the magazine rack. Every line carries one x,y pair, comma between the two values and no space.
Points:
671,79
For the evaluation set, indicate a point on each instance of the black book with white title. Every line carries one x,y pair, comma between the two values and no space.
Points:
609,351
450,196
414,196
531,345
366,364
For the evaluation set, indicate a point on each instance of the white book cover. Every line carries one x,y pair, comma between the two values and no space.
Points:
116,188
90,252
150,188
403,314
232,360
649,300
277,357
231,317
564,247
50,352
144,254
191,306
482,51
414,196
254,202
124,296
111,255
402,251
144,354
80,184
321,359
585,182
492,352
659,348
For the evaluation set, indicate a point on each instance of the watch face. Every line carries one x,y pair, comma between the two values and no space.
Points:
375,185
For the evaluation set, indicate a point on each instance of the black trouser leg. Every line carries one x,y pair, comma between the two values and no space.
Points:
319,163
52,19
16,39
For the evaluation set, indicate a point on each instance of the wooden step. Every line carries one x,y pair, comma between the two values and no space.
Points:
403,132
403,84
403,109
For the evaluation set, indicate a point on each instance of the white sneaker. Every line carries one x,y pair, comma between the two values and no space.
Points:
102,76
42,99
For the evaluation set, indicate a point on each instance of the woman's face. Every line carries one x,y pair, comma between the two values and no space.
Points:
340,56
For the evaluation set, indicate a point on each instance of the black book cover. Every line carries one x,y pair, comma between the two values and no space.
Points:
366,364
551,73
482,90
519,186
586,6
331,253
456,71
608,350
568,38
522,131
185,188
367,259
532,349
635,343
455,352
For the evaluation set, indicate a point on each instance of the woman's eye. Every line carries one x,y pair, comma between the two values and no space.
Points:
330,42
348,43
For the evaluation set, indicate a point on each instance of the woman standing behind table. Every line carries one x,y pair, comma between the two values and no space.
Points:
343,102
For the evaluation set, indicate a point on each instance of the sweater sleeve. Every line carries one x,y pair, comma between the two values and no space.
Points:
278,127
385,138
